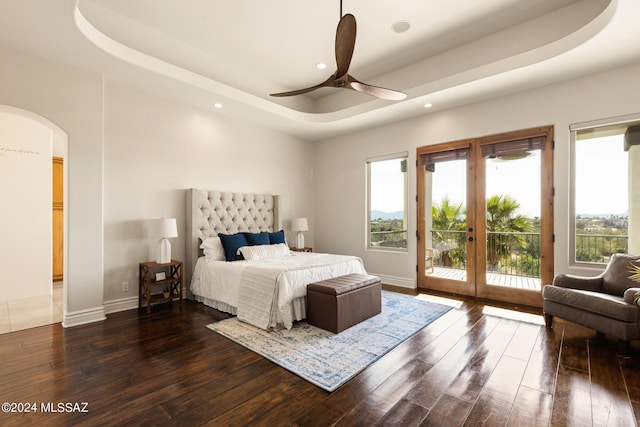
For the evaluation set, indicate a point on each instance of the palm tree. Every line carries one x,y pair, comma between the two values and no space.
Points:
502,217
445,217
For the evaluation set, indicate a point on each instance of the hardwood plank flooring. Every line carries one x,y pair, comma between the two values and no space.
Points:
469,367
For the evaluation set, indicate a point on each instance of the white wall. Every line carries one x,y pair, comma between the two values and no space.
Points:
71,99
133,161
25,173
340,178
156,149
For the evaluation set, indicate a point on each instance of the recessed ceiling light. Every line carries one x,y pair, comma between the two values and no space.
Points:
321,65
401,26
218,105
428,105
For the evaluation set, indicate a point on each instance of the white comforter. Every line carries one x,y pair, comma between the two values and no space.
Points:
266,293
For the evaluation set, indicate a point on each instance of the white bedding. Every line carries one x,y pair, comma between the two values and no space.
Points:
220,284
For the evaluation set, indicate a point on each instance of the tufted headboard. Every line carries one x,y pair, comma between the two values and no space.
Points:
213,212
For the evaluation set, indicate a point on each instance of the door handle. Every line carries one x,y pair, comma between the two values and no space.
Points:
470,239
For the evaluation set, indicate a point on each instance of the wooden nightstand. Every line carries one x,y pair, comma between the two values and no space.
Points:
172,282
305,249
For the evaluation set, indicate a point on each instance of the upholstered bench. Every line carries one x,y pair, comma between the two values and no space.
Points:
339,303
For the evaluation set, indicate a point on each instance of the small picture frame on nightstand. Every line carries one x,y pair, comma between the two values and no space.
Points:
160,276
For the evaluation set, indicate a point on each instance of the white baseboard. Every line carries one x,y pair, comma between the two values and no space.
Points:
121,304
402,282
83,317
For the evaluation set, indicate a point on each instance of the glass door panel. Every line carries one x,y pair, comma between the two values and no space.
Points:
446,177
485,216
512,223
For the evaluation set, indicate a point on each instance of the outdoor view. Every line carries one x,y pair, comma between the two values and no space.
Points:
512,221
513,209
602,198
387,203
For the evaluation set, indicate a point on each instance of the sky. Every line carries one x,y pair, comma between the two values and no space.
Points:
517,178
387,183
602,176
601,180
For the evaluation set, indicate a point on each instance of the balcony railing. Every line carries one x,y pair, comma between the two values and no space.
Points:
389,239
599,247
519,253
510,253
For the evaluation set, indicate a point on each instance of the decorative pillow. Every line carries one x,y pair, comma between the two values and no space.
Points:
257,238
277,237
258,252
231,243
212,248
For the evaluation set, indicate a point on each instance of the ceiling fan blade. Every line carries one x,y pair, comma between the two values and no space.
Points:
328,82
345,43
377,91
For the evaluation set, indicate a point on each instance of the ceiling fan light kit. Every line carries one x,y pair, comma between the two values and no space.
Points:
345,43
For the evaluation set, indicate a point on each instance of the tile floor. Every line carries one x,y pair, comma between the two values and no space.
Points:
28,313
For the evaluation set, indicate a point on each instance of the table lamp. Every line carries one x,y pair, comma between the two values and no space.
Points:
167,229
300,225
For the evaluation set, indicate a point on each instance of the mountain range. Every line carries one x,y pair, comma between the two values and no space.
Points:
387,215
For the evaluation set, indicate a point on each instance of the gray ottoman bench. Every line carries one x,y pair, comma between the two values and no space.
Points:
339,303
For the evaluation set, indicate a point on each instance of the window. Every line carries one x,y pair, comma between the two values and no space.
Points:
387,202
606,173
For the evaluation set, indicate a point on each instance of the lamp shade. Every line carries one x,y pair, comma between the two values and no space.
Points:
299,224
167,228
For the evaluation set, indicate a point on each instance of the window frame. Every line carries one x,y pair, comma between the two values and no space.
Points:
627,120
394,156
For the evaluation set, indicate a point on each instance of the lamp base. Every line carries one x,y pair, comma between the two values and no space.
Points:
164,252
300,240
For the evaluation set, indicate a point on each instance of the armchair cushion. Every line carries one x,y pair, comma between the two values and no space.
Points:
630,295
611,306
615,278
578,282
604,303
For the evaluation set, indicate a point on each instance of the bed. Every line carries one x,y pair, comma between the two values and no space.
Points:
268,288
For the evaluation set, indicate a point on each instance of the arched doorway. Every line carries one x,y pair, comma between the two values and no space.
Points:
28,143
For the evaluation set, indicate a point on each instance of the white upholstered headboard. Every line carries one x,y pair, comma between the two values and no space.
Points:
213,212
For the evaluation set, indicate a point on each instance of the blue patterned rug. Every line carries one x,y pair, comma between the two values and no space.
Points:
329,360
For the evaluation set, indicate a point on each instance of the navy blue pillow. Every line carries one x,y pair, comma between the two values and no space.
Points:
277,237
231,243
257,238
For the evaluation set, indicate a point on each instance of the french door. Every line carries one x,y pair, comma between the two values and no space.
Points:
485,216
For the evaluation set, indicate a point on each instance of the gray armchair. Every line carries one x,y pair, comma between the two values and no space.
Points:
604,303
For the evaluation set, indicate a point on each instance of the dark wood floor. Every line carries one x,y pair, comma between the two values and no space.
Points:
470,367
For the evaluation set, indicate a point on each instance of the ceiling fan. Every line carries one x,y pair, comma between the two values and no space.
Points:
345,43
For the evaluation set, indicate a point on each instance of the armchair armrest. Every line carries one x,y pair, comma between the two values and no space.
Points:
578,282
630,295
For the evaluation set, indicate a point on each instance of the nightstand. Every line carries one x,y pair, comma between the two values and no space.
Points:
305,249
167,276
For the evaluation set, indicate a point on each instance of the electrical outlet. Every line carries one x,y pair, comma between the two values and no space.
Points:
125,286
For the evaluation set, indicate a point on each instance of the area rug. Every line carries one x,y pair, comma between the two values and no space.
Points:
329,360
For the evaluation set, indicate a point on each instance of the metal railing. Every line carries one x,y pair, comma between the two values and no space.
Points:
512,253
599,247
389,239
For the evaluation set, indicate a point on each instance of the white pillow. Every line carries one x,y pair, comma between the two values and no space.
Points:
212,248
258,252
